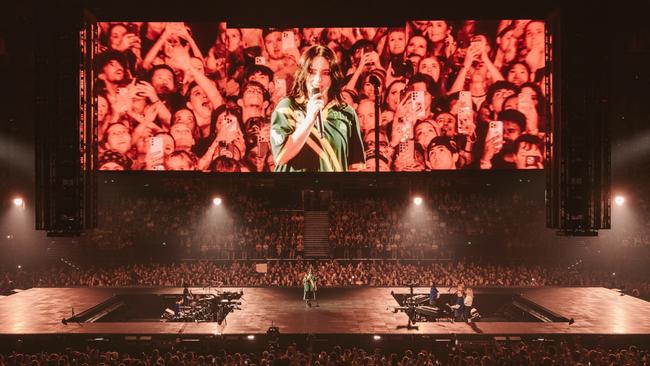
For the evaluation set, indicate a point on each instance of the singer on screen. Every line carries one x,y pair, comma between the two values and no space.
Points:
313,129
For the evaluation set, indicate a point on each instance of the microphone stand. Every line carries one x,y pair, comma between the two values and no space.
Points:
375,83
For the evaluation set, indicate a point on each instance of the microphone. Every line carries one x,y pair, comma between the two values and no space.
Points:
319,121
374,80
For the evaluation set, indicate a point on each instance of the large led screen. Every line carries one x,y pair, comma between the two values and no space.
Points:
431,95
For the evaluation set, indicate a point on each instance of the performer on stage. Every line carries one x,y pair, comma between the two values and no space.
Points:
468,303
313,129
187,295
459,306
434,295
309,287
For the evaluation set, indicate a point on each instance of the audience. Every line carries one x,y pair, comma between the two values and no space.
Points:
460,217
178,215
560,352
330,273
389,226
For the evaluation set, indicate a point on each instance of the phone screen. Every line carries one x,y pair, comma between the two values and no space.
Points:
524,101
155,145
231,126
532,160
287,41
281,87
465,99
262,138
417,103
477,43
156,148
262,148
405,130
495,130
407,148
465,120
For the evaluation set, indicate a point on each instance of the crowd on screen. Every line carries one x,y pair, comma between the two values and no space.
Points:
330,273
571,352
199,96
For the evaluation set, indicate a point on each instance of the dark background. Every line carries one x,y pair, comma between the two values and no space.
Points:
39,33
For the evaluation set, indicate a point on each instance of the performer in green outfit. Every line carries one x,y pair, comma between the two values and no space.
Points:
309,287
296,139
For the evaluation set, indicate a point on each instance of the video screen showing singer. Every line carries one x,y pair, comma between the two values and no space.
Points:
313,129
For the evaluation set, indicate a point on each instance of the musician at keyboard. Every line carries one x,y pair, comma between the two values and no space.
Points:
434,295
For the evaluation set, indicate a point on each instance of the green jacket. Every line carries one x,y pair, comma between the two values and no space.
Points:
341,146
307,284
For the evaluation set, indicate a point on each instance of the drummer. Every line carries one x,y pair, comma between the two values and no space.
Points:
187,295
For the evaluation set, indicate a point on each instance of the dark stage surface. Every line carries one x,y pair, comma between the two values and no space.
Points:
340,311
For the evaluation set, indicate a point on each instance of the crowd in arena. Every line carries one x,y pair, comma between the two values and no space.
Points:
200,96
561,352
330,273
457,219
385,227
187,222
251,225
475,231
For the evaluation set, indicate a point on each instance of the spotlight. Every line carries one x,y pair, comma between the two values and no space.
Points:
417,201
619,200
251,337
19,202
216,201
376,337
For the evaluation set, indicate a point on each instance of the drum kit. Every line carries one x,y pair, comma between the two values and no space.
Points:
204,308
418,309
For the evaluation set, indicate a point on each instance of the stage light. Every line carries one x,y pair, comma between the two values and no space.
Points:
19,202
417,201
619,200
251,337
216,201
20,267
376,337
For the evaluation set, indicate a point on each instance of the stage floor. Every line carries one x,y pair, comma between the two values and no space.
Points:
340,311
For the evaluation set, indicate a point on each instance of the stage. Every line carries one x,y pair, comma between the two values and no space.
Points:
345,311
